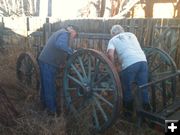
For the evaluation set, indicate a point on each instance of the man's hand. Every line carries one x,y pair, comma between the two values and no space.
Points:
62,66
74,50
118,67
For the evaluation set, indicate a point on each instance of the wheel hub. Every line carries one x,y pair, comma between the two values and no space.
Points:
87,90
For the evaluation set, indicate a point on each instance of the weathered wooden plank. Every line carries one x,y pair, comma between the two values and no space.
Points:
47,32
94,35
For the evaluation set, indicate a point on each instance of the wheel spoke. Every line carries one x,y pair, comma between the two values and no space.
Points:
161,74
95,117
101,109
103,89
75,80
103,99
96,70
101,78
71,89
77,72
82,67
89,68
156,67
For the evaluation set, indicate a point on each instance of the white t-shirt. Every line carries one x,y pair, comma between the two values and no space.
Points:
128,49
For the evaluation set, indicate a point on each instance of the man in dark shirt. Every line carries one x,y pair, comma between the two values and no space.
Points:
54,55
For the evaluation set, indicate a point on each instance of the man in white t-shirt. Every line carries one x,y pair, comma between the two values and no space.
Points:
133,61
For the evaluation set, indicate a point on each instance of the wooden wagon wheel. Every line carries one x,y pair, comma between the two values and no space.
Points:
160,65
172,53
27,70
92,86
167,40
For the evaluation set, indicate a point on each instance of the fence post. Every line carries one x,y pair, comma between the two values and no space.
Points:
150,31
27,24
1,31
46,31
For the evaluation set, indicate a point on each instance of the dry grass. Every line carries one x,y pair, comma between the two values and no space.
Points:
33,121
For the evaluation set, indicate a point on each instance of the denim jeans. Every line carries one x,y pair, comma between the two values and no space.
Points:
137,73
48,86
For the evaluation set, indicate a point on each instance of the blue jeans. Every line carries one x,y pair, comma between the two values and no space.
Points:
137,73
48,86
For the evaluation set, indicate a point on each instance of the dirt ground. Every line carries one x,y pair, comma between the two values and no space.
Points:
33,121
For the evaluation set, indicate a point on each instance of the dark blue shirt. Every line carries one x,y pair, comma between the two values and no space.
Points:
62,42
57,49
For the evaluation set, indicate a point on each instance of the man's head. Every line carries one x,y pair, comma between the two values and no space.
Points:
116,29
73,30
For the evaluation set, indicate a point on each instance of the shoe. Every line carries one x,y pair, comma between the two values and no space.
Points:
128,116
147,107
128,105
128,111
51,113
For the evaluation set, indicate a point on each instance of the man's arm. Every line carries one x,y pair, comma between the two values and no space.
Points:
110,54
62,42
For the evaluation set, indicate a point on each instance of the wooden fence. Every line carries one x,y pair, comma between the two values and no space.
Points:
161,33
94,33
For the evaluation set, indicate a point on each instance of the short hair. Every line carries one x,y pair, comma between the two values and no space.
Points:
116,29
73,27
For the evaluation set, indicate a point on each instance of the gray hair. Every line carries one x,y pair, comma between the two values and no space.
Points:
116,29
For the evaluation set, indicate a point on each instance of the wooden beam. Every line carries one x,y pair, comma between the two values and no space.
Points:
149,8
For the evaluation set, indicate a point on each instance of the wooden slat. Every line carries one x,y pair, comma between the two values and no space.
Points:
94,36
